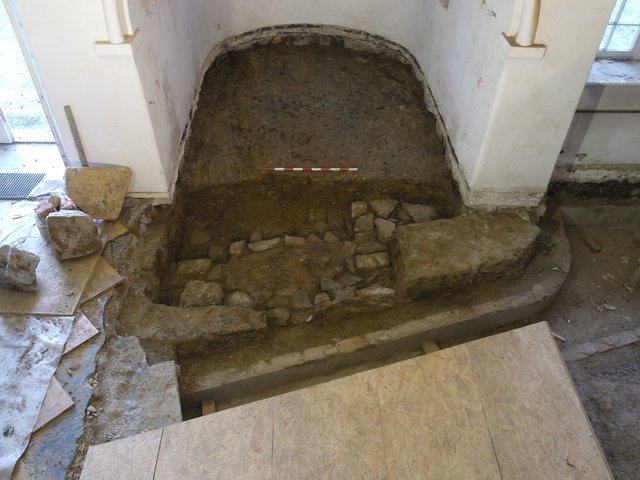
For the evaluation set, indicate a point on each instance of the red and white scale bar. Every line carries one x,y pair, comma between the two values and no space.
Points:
311,169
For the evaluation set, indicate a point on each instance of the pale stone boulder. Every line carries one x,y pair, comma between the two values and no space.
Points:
73,234
98,190
420,213
383,207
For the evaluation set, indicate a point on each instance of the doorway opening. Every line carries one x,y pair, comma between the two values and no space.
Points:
28,149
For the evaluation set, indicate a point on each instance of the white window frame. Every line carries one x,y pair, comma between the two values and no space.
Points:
629,54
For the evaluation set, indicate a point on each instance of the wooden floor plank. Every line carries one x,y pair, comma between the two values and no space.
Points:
432,419
231,444
130,458
537,423
329,431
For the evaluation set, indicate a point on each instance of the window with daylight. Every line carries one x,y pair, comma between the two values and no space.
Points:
622,36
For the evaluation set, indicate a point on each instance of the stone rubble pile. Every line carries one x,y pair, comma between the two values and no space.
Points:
343,257
95,193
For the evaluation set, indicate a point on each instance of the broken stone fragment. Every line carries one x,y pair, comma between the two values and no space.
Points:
594,245
420,213
18,268
343,294
348,249
54,200
263,245
383,207
370,247
322,298
364,223
73,234
198,293
376,292
98,190
330,237
385,229
43,209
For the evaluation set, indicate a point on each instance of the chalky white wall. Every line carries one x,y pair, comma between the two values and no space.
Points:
104,92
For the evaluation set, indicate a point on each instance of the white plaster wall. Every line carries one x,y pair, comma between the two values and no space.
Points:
603,142
537,99
104,92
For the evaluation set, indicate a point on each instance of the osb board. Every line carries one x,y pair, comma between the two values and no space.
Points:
131,458
56,402
103,278
81,331
498,407
60,284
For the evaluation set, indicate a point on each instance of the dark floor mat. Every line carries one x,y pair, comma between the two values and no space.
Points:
18,185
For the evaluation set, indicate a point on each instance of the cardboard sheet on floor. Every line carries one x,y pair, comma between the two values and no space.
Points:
56,402
81,331
104,277
20,472
30,349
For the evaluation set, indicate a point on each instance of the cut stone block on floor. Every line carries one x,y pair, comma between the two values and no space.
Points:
479,248
98,190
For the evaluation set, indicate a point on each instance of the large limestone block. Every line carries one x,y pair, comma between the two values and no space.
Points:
98,190
459,252
73,234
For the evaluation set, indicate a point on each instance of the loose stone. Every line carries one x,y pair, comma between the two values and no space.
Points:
300,300
73,234
370,247
99,191
385,229
240,299
383,207
294,241
328,285
322,298
18,268
256,235
343,294
236,248
279,317
330,237
364,223
420,213
198,293
263,245
358,208
314,239
372,261
348,249
193,269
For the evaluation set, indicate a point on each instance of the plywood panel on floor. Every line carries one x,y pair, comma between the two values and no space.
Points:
235,443
496,408
335,427
130,458
537,422
445,435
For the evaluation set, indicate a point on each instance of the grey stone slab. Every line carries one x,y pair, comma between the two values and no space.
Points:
73,234
479,247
